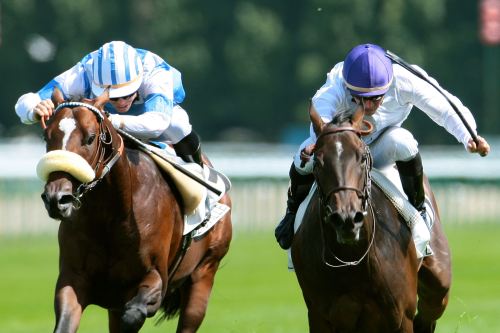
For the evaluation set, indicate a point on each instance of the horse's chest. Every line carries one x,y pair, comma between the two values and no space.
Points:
103,262
357,303
363,313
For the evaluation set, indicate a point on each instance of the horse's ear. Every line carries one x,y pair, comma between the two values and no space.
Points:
316,120
57,97
363,126
102,99
357,117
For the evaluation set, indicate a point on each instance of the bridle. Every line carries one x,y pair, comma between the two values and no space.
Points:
326,210
105,155
364,193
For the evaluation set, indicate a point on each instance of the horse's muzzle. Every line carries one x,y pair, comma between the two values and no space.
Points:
347,226
59,199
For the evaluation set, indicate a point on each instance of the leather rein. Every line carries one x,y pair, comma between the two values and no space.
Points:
364,194
105,155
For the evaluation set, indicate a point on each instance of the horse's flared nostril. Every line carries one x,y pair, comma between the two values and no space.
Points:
337,219
358,217
58,204
66,199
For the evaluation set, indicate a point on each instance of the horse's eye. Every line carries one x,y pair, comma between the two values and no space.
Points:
90,139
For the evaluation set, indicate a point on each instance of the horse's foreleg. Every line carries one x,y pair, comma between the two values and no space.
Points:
114,321
433,292
68,309
144,304
194,298
317,324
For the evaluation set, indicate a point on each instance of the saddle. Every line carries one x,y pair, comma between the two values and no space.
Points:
200,204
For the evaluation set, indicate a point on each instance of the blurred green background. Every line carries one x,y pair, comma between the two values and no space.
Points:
248,65
253,292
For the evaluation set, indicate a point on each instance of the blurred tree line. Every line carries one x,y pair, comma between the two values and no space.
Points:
249,66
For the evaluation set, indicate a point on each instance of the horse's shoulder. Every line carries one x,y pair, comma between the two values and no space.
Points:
137,157
383,207
377,194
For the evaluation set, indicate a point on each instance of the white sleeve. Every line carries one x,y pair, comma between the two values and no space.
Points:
434,104
71,83
328,100
25,105
146,126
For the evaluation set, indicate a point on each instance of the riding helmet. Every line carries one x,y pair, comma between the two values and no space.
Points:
117,66
367,71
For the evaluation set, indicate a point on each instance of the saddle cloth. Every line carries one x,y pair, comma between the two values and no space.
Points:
389,182
201,205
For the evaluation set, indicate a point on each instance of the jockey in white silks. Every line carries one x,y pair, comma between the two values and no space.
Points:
387,92
144,90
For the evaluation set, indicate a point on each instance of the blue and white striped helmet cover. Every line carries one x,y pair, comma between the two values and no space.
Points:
117,66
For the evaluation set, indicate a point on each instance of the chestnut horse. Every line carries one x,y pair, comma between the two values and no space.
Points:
354,255
121,233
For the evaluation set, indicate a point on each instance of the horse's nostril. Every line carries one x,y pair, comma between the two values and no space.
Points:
66,199
337,219
358,217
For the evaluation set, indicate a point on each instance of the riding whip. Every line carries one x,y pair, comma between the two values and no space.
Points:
424,77
178,167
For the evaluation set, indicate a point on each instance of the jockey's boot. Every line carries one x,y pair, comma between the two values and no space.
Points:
411,174
300,185
189,149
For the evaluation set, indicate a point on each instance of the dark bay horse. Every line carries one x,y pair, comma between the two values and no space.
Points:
120,235
354,255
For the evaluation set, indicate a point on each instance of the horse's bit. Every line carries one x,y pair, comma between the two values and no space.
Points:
102,162
364,194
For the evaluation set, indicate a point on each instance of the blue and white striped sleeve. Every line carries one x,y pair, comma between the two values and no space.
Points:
73,83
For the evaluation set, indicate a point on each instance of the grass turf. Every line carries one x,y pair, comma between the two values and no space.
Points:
253,291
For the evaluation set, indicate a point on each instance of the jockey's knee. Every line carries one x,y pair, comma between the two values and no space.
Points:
395,144
179,127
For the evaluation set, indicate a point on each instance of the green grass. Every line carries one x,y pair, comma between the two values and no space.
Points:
253,291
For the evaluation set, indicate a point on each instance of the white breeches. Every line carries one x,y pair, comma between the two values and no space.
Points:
391,145
179,126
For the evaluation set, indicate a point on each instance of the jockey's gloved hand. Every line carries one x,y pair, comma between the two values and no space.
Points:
306,154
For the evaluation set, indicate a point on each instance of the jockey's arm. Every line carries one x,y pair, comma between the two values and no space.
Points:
146,126
330,98
151,122
25,108
30,107
434,104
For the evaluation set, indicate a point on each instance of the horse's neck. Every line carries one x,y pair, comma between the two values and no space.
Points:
112,195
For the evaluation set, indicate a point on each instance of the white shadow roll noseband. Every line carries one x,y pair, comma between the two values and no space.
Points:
66,161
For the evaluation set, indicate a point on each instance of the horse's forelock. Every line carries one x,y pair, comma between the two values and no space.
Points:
343,117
